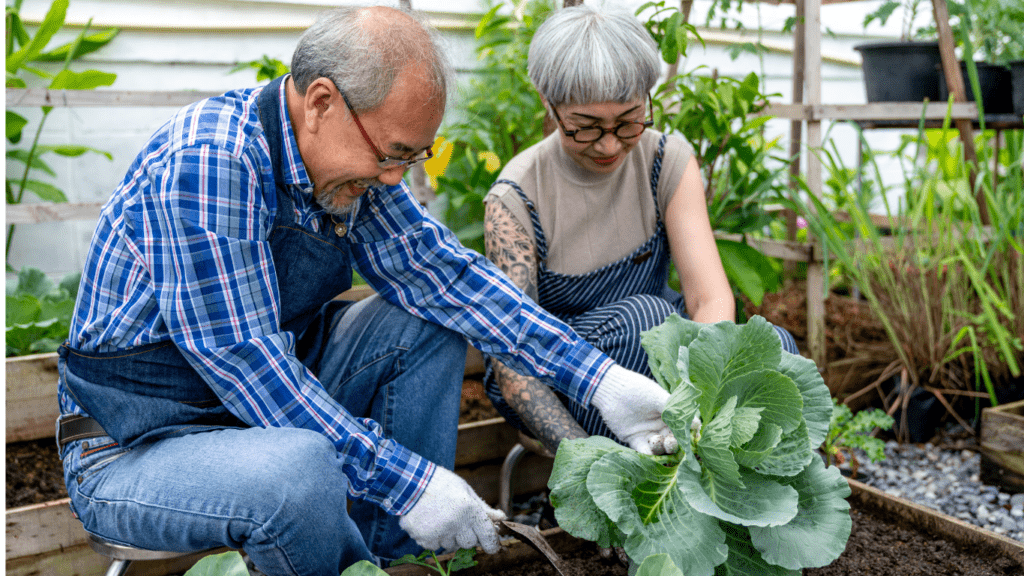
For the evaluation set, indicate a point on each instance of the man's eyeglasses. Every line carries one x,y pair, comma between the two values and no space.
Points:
623,131
385,162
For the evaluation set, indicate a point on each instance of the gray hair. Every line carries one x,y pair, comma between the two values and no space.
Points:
581,56
363,50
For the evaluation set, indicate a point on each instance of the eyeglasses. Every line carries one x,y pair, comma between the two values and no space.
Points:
623,131
385,162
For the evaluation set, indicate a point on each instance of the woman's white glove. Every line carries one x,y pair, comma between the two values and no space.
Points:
631,405
449,515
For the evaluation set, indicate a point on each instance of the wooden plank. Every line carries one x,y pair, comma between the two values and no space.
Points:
52,212
31,97
531,475
1002,446
41,528
483,441
82,561
784,249
939,524
31,387
875,112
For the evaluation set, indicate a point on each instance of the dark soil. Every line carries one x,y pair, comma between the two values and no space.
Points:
883,547
877,547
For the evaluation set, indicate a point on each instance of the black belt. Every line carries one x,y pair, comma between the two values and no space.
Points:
77,427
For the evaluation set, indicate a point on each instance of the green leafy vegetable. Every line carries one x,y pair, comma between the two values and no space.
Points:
39,312
848,431
747,493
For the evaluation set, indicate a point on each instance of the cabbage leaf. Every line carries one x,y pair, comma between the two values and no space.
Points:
747,493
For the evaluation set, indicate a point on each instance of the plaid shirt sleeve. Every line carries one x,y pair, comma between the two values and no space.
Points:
415,262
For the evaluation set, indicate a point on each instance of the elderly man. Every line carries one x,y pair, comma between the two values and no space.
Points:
214,392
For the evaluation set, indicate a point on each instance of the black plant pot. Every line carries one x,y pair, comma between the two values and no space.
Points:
1017,81
900,71
995,84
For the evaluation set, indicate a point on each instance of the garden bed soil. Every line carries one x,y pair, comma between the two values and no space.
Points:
882,543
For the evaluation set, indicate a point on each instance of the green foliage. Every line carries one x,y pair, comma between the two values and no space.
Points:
848,431
232,564
669,29
463,558
990,29
23,50
746,493
224,564
947,289
39,312
743,172
910,12
500,115
266,68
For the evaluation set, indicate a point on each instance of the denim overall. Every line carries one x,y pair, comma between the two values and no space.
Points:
151,391
281,494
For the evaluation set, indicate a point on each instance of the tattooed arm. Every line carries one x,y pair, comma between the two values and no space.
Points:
508,245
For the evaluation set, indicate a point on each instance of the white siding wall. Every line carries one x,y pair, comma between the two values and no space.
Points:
178,45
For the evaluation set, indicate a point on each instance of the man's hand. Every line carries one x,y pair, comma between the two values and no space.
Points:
631,405
450,515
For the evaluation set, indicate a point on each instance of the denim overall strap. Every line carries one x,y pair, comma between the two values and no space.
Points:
151,391
644,271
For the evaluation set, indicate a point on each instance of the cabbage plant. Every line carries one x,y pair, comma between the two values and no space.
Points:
747,493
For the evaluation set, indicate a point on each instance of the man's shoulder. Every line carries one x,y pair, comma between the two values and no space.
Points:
228,121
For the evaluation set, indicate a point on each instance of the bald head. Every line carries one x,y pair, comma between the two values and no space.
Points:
364,49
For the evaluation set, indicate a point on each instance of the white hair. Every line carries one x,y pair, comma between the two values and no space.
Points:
580,55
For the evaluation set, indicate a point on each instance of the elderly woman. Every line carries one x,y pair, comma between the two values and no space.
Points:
587,220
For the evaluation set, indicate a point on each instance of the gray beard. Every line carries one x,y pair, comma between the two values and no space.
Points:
324,199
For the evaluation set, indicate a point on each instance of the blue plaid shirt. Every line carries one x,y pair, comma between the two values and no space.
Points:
181,253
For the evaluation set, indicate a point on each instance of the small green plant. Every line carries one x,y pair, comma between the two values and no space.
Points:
266,68
848,431
39,312
746,493
232,564
24,52
463,558
910,11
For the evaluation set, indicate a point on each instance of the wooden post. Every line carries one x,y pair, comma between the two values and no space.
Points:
815,270
955,83
796,128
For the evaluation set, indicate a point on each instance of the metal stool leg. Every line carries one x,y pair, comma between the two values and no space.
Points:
505,484
118,567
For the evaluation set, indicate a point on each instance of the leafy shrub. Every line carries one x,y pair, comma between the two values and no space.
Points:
39,312
747,492
23,53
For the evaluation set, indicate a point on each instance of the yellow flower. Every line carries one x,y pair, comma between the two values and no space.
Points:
442,155
491,159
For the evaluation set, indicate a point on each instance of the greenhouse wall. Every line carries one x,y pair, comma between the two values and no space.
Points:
173,45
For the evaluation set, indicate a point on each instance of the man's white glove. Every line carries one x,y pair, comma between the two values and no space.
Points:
450,515
631,405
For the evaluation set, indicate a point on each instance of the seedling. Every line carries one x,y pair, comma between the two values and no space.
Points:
463,558
848,431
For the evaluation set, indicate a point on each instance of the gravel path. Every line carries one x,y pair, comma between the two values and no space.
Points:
947,480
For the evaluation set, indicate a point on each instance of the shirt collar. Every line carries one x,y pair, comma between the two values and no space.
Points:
294,170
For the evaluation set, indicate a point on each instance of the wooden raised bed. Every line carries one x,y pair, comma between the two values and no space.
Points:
1002,446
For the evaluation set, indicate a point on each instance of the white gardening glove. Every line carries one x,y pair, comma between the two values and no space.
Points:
449,515
631,405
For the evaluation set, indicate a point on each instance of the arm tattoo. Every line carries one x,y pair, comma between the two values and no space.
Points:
508,245
512,250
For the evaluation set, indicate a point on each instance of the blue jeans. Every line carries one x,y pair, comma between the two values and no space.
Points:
280,494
